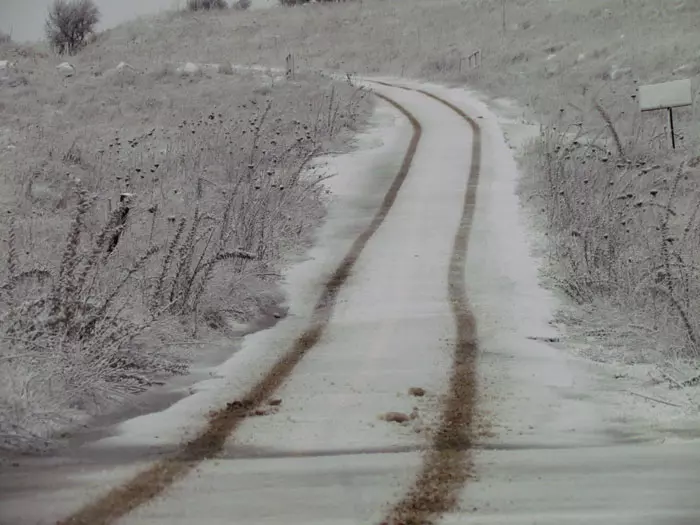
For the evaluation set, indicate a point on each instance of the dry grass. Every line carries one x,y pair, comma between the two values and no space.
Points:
433,39
623,233
139,207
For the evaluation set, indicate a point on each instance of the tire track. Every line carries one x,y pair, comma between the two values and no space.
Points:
448,464
153,481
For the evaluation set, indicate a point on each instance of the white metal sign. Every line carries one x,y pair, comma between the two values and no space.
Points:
666,95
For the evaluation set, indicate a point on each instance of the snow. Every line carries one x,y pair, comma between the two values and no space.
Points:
625,485
189,69
124,66
562,443
66,69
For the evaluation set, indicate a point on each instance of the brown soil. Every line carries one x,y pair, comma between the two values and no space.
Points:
416,391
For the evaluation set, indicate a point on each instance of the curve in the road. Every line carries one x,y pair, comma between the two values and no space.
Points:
447,465
154,480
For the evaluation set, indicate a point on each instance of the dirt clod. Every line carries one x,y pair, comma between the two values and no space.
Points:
238,405
395,417
275,402
416,391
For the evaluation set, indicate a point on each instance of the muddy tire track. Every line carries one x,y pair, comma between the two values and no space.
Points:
447,465
153,481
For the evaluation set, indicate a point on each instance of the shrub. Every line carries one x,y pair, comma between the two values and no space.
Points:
103,299
69,23
206,5
5,38
225,68
242,5
623,220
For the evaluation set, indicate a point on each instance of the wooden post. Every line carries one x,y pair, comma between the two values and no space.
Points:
673,131
125,206
290,66
666,95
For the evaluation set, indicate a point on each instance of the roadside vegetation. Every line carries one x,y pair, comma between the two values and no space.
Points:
146,208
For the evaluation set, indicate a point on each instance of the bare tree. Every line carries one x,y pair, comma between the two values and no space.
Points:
68,24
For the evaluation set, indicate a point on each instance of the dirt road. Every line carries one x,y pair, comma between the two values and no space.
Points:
402,388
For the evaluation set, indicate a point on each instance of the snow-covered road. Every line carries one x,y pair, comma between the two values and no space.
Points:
326,456
547,445
562,445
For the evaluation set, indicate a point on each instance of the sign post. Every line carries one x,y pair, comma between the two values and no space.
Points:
673,131
290,66
667,95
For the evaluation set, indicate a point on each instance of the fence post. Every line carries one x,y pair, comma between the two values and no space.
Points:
290,66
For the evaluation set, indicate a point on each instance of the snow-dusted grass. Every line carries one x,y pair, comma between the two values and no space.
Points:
550,51
140,208
624,234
